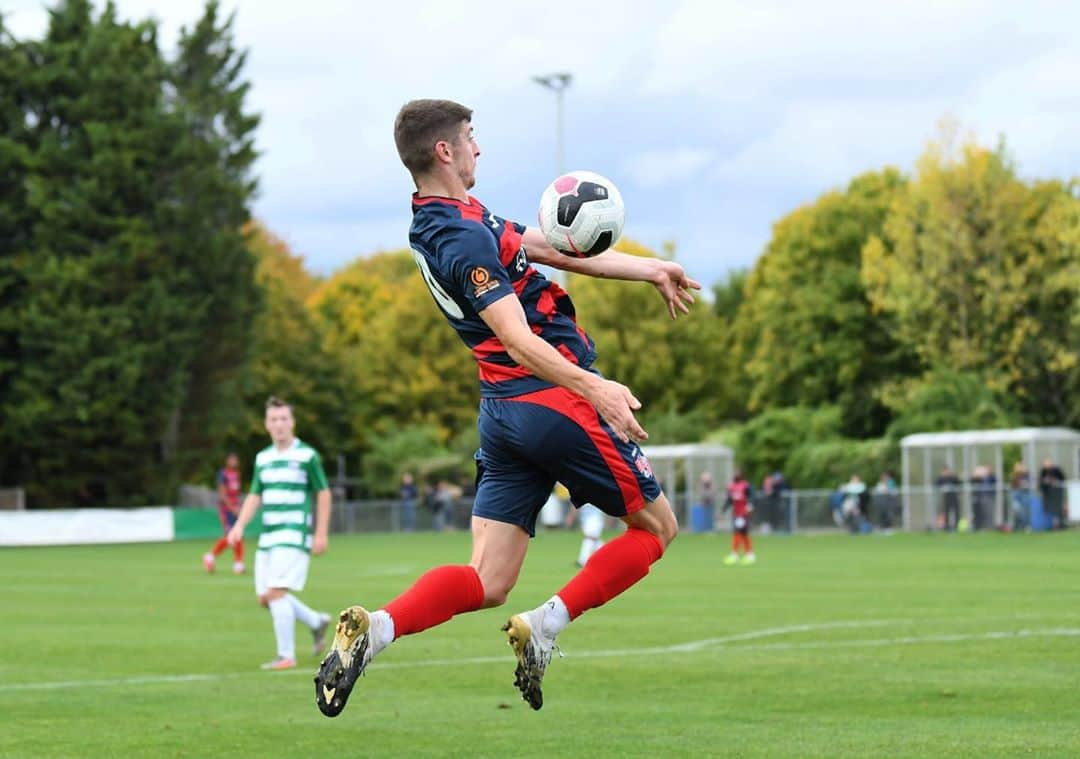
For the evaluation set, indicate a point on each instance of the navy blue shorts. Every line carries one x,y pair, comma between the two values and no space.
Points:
228,518
530,442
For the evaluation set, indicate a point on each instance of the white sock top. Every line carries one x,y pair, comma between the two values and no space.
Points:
556,617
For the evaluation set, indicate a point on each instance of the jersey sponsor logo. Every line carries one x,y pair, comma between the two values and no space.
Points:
482,281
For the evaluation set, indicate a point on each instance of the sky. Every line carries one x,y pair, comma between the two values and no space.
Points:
713,118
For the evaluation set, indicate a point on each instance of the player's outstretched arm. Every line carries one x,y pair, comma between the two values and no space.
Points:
613,401
247,511
322,522
668,277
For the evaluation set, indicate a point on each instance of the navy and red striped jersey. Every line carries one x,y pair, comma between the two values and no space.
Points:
471,258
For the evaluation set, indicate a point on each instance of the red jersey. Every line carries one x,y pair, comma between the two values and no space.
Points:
738,493
230,478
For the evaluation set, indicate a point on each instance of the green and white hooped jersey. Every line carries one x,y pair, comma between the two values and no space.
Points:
287,482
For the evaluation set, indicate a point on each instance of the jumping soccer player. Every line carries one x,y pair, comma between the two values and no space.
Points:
738,498
288,480
545,414
228,489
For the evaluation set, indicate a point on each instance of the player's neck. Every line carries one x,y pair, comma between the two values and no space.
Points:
442,187
285,445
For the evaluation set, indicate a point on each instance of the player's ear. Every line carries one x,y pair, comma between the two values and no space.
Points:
442,150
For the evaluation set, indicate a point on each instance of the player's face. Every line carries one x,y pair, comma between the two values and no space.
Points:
465,153
232,462
279,423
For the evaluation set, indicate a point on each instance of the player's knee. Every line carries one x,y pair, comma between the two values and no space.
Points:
496,591
666,529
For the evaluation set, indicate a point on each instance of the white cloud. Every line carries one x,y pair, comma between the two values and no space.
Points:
658,168
722,115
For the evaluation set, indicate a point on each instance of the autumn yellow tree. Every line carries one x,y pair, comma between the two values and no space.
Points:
405,366
976,271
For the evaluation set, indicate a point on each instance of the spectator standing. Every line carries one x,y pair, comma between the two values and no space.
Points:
854,506
887,500
408,495
706,500
949,486
766,504
781,489
1020,497
983,488
443,502
1052,488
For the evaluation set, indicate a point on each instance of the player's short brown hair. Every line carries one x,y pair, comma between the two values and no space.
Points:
422,123
274,402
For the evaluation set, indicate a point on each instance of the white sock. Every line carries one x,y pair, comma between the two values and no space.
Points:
305,614
382,630
281,611
585,552
556,617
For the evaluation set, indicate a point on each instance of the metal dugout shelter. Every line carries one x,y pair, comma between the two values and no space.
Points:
925,454
678,468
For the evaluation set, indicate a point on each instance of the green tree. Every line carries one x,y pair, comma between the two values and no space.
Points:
944,400
806,333
405,364
95,320
210,190
117,302
15,70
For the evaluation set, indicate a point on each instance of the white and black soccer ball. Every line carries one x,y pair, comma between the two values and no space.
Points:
582,214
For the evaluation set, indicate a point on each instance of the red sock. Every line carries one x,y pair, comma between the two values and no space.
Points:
439,594
611,570
238,551
219,546
746,542
736,541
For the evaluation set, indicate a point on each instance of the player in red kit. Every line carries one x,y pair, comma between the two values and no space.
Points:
739,494
228,488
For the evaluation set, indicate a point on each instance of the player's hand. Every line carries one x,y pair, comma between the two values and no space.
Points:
674,287
617,405
318,544
236,534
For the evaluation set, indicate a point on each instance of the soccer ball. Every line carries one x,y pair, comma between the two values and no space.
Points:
582,214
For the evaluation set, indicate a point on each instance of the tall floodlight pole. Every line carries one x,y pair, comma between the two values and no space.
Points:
557,83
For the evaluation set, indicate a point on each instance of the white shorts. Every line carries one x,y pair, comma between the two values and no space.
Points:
281,568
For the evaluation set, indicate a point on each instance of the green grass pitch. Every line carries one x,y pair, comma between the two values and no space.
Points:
831,646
